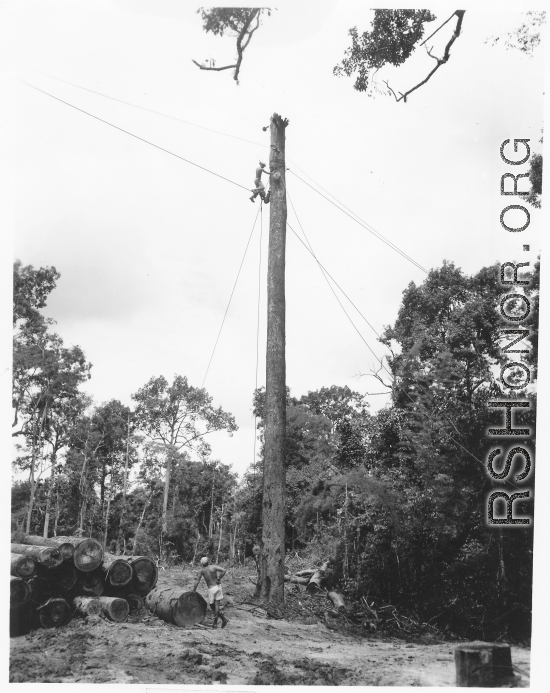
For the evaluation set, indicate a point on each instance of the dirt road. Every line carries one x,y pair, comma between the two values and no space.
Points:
251,650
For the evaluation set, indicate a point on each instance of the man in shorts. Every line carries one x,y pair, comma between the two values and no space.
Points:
260,187
215,594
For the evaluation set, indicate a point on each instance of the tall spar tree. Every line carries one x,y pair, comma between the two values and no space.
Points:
177,416
271,582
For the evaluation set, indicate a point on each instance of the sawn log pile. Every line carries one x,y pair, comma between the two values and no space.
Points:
54,579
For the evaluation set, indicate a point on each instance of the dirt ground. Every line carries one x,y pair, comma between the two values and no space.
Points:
252,650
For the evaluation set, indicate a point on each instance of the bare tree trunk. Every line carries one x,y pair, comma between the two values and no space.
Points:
139,524
271,582
220,538
50,496
166,489
33,464
211,523
124,491
56,511
107,514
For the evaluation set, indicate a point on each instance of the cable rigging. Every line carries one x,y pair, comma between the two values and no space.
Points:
137,137
441,430
230,298
361,223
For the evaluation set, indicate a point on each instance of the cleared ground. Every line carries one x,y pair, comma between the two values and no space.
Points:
252,650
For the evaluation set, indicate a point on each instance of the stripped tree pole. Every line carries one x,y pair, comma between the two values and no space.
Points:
271,582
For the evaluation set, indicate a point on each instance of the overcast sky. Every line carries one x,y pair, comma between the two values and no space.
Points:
148,246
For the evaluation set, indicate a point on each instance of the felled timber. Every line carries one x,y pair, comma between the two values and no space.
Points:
87,606
19,591
22,566
40,588
296,580
305,573
145,575
171,605
88,552
116,570
90,584
316,582
338,600
61,579
54,613
48,556
483,664
66,549
114,609
135,602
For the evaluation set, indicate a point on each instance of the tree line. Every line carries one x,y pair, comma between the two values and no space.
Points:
396,500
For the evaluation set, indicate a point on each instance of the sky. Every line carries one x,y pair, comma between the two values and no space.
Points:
149,246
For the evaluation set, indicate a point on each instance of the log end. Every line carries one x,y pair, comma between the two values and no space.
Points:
189,609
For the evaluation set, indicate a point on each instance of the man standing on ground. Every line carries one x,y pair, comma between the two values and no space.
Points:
215,594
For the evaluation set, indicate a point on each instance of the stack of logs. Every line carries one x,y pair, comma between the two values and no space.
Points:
314,580
55,579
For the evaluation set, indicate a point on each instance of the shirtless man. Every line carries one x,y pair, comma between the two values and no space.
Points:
260,187
215,594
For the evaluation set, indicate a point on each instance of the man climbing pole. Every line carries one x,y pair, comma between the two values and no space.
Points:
260,187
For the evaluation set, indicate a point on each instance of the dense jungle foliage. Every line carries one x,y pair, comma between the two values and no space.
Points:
397,500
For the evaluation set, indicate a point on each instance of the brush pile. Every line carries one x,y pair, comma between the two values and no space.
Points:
54,579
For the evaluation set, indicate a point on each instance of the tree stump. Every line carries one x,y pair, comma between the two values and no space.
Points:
48,556
66,549
173,606
87,606
483,664
116,570
88,552
54,613
22,566
114,608
145,575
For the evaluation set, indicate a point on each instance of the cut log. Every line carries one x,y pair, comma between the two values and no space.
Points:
90,584
66,549
87,606
316,582
22,566
304,573
145,575
40,588
20,592
338,600
54,613
116,570
63,578
135,603
483,664
177,607
297,580
48,556
114,609
88,552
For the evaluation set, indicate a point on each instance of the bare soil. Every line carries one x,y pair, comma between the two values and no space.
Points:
253,649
